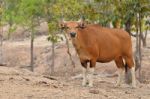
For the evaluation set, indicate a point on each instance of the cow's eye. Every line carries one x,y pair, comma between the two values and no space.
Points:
77,27
67,27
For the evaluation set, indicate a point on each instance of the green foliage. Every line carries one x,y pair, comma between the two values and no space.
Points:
70,9
10,9
11,30
30,10
53,37
28,13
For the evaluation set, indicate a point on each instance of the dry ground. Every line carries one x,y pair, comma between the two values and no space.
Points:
17,82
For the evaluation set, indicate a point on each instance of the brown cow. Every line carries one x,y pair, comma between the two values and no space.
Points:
94,43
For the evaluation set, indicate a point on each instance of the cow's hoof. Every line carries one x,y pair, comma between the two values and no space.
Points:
133,86
117,85
84,83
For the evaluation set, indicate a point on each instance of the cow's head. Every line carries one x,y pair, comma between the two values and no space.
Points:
72,27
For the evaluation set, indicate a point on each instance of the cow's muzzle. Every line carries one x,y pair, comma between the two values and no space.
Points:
72,34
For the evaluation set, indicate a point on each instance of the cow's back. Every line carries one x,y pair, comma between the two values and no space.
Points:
105,44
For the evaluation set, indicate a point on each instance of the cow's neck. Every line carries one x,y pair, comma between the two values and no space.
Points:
76,43
80,47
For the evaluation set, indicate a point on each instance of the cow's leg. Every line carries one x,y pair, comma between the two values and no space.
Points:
120,77
91,72
133,76
84,73
130,64
120,66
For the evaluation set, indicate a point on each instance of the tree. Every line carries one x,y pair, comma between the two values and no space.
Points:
54,10
10,12
126,13
29,13
146,27
131,13
52,37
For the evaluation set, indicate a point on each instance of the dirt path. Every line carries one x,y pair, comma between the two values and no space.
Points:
22,84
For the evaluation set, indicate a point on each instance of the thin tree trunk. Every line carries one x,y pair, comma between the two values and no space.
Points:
1,43
67,42
128,26
128,73
10,26
137,52
140,52
143,37
137,57
53,58
32,48
1,47
32,56
68,51
1,37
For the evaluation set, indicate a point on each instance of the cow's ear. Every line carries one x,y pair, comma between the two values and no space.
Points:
81,23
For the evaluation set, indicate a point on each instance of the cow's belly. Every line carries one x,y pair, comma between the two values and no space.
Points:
109,56
105,60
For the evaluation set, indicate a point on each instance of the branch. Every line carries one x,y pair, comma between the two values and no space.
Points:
35,25
134,35
145,34
68,51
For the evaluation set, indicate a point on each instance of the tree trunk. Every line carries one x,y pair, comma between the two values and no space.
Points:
32,48
1,47
140,52
1,43
143,37
32,55
128,73
1,36
53,58
10,26
68,51
128,26
137,53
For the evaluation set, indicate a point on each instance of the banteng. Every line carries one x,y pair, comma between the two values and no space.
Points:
94,43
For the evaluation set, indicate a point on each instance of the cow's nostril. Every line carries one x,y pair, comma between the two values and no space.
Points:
72,34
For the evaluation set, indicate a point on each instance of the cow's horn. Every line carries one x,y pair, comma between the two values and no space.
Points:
63,20
80,20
